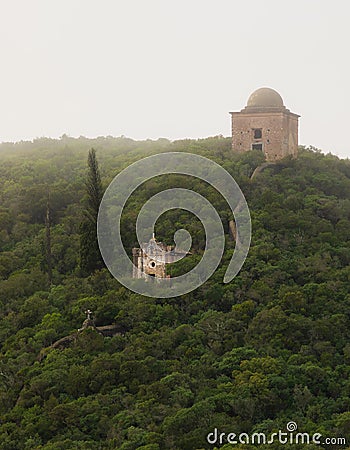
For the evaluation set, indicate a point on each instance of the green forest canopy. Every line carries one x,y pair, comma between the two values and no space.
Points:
269,347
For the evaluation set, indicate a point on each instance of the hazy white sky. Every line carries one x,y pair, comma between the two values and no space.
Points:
174,69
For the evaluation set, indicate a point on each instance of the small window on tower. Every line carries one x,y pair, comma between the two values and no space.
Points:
257,133
257,147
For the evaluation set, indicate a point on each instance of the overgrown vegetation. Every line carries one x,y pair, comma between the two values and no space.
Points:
270,347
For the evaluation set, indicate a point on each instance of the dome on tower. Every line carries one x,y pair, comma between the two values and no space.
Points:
265,98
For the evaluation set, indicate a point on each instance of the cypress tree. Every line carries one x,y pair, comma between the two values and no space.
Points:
90,257
48,239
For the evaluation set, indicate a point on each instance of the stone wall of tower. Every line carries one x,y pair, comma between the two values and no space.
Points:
279,133
292,124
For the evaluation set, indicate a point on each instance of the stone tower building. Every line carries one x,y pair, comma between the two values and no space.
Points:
265,124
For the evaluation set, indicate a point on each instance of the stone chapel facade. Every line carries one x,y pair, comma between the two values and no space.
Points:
152,259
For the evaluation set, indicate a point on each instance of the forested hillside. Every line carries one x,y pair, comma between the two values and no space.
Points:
270,347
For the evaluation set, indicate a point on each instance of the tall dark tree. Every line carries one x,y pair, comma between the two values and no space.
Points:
48,238
90,257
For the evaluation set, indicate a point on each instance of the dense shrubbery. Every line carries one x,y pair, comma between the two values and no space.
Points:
270,347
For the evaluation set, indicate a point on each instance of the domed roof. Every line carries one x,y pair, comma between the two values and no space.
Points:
265,98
